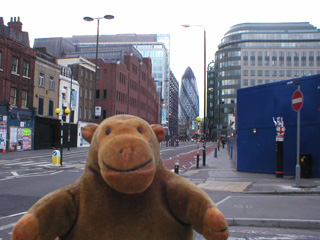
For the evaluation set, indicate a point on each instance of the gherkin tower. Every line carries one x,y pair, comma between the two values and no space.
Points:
188,97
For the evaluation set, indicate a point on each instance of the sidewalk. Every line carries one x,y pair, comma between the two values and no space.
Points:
259,200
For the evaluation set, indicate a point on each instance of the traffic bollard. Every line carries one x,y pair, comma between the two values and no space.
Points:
176,167
198,159
215,152
204,155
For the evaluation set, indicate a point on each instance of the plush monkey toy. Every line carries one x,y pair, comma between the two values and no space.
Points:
125,192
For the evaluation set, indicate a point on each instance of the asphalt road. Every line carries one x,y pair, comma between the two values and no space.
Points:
26,178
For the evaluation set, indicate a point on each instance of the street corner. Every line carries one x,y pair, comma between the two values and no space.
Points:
225,186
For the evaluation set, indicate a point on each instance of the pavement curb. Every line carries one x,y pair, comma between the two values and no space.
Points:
278,223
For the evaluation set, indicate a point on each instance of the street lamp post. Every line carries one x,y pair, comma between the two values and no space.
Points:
198,140
90,19
204,87
58,111
70,106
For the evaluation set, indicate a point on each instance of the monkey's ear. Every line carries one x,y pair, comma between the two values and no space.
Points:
159,131
88,131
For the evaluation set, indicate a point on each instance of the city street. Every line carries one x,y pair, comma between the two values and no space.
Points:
257,206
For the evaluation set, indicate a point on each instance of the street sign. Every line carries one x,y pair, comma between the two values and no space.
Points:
97,111
297,100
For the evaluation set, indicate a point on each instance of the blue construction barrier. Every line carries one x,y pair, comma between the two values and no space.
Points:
256,106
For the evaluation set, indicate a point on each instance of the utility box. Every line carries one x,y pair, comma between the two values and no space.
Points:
56,158
306,165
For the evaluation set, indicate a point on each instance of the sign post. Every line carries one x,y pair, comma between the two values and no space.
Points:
297,102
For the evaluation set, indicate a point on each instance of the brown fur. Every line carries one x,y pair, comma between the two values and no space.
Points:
125,192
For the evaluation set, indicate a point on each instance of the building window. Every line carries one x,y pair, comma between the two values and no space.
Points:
252,72
105,93
82,72
289,59
245,82
40,106
281,74
26,69
267,59
245,72
267,73
303,73
253,58
52,83
289,73
13,96
274,59
90,94
80,92
134,69
296,59
80,112
64,94
274,73
260,58
104,114
24,99
0,60
253,82
318,58
311,59
42,79
281,59
304,59
86,93
97,93
15,63
50,112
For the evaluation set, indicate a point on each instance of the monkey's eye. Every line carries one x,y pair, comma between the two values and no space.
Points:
108,131
139,130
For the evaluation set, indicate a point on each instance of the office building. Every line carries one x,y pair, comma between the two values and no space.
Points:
173,106
188,103
251,54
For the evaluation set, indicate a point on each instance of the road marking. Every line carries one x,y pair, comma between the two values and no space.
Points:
15,174
33,163
223,200
56,172
13,215
10,225
18,163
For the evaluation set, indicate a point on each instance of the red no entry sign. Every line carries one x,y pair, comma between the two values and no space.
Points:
297,100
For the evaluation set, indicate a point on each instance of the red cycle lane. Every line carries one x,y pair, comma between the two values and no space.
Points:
188,159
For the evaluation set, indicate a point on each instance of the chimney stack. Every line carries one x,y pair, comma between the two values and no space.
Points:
15,24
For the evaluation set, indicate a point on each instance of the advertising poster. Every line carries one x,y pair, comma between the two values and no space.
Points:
3,132
20,139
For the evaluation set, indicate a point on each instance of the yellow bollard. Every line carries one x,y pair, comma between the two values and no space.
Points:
56,160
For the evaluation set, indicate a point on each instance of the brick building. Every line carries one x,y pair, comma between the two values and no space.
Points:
127,87
17,64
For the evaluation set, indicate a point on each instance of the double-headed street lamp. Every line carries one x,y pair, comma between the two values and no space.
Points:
90,19
66,112
204,86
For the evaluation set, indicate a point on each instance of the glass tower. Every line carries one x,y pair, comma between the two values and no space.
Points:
188,97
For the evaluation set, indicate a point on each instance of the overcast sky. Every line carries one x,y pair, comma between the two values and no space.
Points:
59,18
